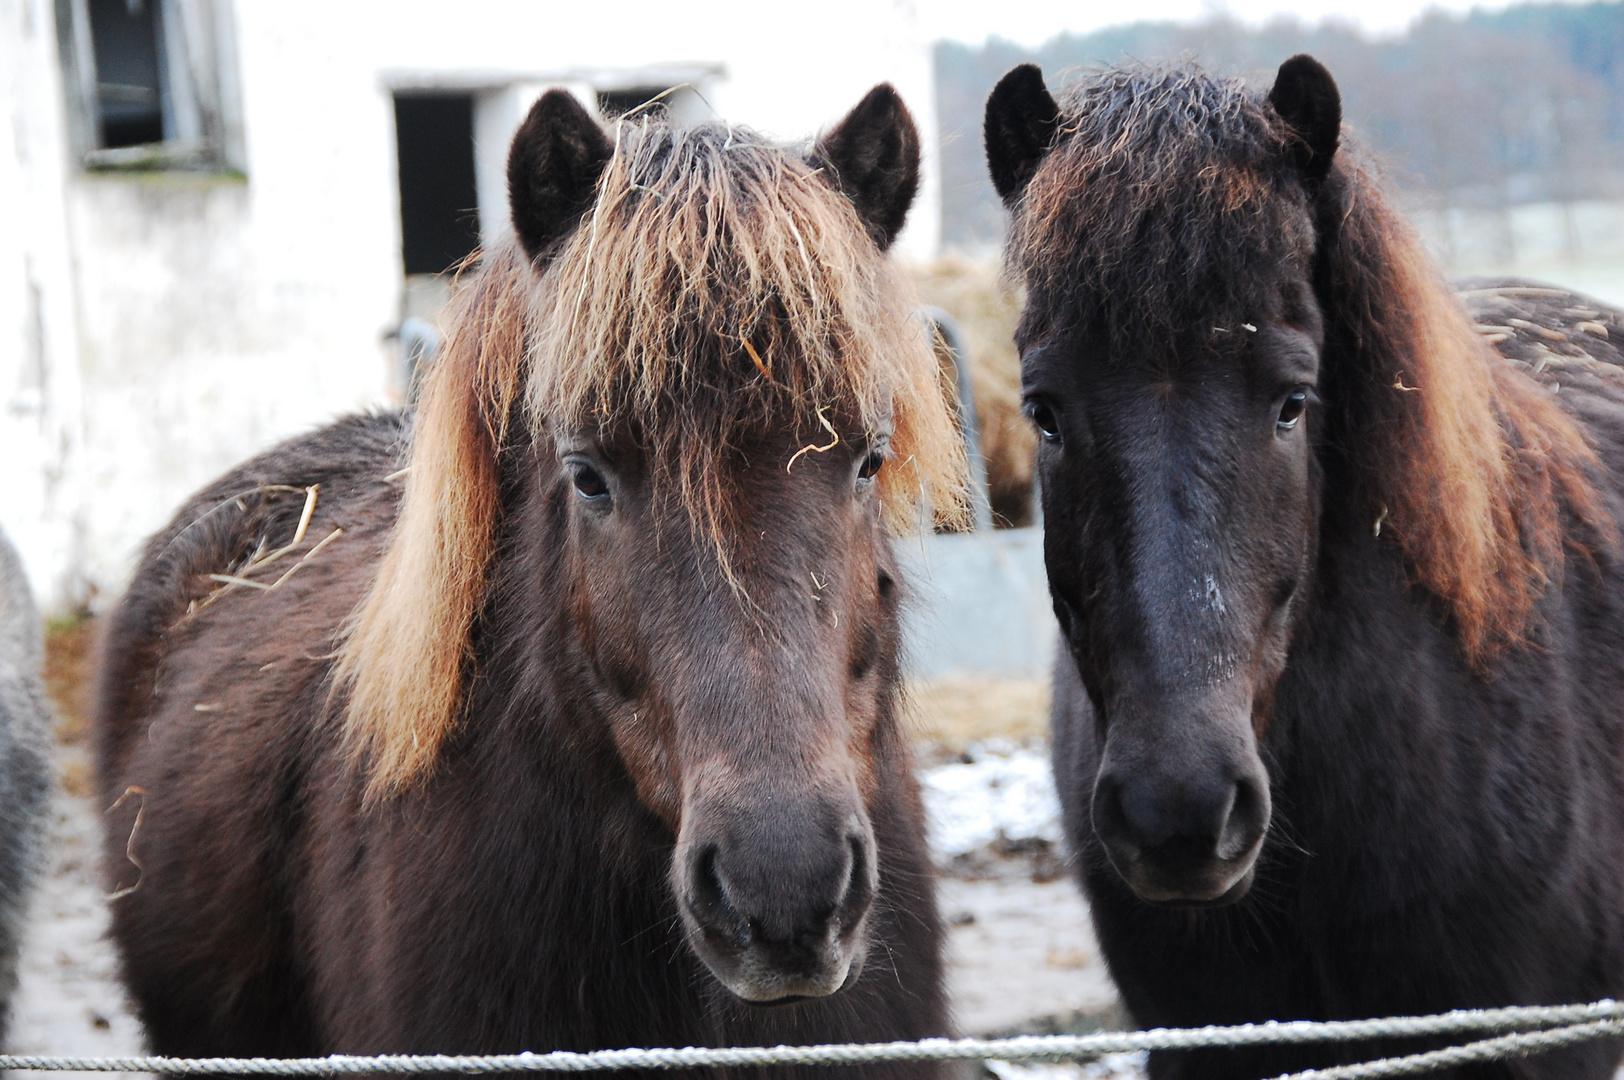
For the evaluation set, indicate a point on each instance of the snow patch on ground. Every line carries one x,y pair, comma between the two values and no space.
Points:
996,791
1109,1067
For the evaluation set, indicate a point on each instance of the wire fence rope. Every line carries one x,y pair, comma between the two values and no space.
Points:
1522,1030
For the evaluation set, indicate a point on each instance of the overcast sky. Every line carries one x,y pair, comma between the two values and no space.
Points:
1031,22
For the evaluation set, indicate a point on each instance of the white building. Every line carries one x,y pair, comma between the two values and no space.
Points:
202,246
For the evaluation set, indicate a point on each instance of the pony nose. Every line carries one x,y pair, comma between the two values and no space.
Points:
783,906
1178,829
777,921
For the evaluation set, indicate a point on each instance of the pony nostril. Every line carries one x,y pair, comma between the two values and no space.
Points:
1248,817
1148,815
709,903
859,883
1110,822
791,901
706,882
1179,822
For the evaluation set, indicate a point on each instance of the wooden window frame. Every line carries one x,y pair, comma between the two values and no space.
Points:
199,91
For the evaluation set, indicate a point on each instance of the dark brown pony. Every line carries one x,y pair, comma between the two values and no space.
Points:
561,714
1339,731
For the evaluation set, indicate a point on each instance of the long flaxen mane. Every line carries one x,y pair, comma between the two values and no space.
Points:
719,286
1173,197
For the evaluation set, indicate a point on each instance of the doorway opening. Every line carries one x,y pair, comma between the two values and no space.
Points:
439,201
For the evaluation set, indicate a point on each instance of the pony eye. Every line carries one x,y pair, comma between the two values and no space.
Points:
871,465
1291,410
1043,416
589,483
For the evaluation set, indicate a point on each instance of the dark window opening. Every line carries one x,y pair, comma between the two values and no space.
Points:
439,203
613,103
125,34
151,84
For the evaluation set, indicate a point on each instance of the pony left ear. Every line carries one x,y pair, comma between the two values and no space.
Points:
1306,98
1020,127
873,157
553,168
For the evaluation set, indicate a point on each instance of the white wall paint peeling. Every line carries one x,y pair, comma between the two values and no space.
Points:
41,421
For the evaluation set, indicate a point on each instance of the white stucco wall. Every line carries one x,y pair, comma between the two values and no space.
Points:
211,326
177,323
787,74
42,503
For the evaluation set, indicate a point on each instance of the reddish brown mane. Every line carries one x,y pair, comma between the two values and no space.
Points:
1478,474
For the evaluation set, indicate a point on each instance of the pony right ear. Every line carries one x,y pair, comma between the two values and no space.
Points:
873,157
1306,98
553,169
1021,122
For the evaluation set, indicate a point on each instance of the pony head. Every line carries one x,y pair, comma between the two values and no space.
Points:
1233,350
678,414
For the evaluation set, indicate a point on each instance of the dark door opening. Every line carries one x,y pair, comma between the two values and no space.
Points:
439,203
613,103
126,34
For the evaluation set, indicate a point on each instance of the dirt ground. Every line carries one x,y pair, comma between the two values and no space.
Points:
1021,951
949,715
69,1000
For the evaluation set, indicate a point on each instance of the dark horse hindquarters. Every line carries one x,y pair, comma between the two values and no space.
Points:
624,752
1261,485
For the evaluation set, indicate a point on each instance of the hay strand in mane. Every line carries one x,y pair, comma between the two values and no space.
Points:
718,287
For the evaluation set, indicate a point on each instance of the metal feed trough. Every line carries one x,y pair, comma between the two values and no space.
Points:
980,599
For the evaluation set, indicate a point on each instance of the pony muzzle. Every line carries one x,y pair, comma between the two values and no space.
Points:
1182,836
778,911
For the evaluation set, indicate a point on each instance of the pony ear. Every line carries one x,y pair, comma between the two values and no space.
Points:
1020,126
1306,98
553,168
873,157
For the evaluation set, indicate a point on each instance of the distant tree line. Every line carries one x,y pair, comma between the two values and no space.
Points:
1487,110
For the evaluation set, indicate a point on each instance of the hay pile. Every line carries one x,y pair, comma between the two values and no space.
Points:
946,717
986,309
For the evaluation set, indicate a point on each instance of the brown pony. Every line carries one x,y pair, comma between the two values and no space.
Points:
1338,728
562,714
